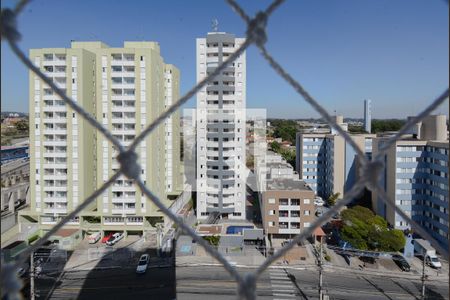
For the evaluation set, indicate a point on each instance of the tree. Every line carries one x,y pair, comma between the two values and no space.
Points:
22,125
356,129
332,199
285,129
386,125
275,146
212,240
367,231
250,162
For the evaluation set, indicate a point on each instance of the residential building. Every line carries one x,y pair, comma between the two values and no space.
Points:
287,203
416,177
368,115
125,89
221,129
328,163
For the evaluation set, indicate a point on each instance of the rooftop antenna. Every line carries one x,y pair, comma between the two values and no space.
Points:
215,25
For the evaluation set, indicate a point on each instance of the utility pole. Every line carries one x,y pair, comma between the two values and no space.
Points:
423,275
320,271
32,295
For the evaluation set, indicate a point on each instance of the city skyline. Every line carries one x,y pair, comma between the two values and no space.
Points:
387,57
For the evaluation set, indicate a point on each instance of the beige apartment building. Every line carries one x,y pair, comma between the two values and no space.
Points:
327,163
125,89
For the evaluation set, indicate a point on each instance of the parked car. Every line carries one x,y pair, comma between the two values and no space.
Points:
401,262
94,237
318,201
106,237
114,238
424,249
433,262
142,264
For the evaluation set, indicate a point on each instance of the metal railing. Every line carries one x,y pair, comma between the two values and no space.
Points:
127,158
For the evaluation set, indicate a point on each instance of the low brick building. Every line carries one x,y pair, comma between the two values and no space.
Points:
287,207
287,203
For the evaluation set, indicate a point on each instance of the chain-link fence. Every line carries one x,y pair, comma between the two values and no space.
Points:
255,35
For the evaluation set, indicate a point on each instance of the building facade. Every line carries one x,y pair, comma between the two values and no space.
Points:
220,122
287,203
416,176
125,89
327,163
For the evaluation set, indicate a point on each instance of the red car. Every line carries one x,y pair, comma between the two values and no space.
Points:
106,237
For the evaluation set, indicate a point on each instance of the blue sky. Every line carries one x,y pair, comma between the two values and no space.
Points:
393,52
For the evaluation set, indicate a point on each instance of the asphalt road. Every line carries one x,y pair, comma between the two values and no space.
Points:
121,283
211,282
214,282
15,167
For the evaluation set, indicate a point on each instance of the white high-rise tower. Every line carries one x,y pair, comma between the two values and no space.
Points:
221,129
368,115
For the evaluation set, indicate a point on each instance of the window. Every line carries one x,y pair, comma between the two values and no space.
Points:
271,224
306,201
271,200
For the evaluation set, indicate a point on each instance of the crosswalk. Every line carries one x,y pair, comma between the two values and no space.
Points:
282,286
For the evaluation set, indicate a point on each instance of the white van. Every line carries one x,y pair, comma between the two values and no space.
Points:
94,237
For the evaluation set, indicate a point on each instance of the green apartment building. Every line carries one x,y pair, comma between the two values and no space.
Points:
125,89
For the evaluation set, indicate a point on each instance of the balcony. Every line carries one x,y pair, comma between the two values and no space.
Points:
55,188
212,50
119,200
289,231
121,211
55,210
124,188
55,131
55,154
212,144
55,143
123,97
55,199
123,109
55,176
288,219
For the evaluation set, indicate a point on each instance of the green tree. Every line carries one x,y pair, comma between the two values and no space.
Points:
22,125
212,240
367,231
288,155
356,129
332,199
275,146
387,125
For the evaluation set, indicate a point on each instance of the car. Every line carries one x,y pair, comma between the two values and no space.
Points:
318,201
433,262
401,262
142,264
94,237
106,237
114,238
21,272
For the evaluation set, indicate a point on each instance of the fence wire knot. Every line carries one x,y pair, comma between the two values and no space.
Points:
9,25
247,287
371,172
128,164
256,30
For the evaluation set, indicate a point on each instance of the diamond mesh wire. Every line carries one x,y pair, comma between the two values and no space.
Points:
256,34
